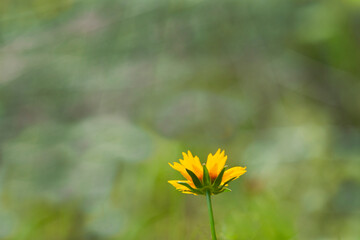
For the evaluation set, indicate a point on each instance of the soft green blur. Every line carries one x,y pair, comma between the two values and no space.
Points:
96,97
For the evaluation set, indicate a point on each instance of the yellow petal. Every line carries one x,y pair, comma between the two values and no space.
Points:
234,172
188,192
211,160
180,187
189,154
197,167
177,185
193,164
181,169
216,163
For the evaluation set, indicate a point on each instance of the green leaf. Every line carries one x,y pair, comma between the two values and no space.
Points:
194,178
219,178
206,176
218,192
222,190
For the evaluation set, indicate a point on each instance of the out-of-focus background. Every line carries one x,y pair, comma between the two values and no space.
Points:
96,97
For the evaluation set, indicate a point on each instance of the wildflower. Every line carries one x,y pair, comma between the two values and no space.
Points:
207,179
211,177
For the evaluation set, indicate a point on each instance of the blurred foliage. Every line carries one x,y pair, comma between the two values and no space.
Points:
97,96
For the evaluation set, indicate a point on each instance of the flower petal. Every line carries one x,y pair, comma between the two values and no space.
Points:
180,187
211,159
177,185
193,164
216,163
181,169
234,172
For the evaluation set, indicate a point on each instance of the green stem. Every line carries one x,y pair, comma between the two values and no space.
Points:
211,216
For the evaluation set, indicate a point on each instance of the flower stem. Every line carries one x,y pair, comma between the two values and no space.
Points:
211,216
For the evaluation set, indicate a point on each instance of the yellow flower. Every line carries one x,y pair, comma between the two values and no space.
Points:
212,177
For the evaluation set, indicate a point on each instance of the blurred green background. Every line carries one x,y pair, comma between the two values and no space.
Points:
96,97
